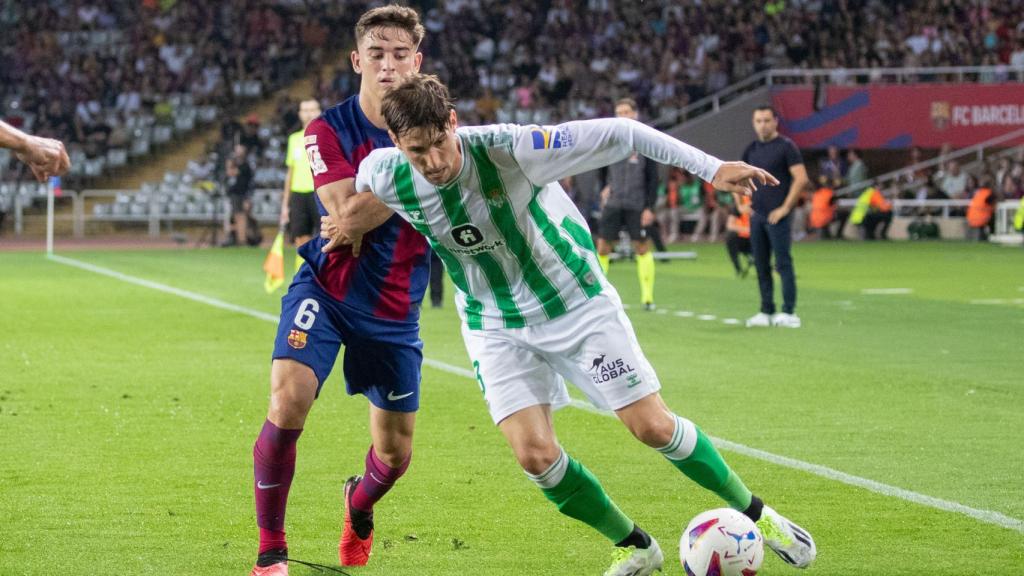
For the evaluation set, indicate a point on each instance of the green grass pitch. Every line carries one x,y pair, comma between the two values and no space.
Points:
127,418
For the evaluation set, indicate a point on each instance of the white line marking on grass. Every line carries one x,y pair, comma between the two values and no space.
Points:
684,314
706,317
886,291
997,301
986,516
661,311
731,321
165,288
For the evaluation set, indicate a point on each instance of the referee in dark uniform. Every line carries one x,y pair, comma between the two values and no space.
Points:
770,222
629,193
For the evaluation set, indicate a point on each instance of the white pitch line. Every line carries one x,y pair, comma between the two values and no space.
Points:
684,314
986,516
731,321
165,288
886,291
998,301
706,317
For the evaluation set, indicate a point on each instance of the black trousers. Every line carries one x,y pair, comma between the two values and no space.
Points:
736,245
872,220
767,240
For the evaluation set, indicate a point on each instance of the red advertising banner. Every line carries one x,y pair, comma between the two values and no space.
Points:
899,116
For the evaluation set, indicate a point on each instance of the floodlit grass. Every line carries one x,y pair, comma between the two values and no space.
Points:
128,417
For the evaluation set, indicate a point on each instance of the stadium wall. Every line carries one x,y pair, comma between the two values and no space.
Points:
899,116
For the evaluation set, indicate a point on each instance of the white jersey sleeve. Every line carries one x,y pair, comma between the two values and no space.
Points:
549,153
367,178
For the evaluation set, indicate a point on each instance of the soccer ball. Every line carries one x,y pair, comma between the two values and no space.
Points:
721,542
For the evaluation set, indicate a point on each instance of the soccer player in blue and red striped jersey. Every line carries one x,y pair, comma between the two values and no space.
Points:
366,296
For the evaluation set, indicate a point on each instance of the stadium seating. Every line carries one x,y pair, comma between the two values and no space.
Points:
117,80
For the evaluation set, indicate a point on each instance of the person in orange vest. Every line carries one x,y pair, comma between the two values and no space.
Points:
823,208
980,211
737,236
871,211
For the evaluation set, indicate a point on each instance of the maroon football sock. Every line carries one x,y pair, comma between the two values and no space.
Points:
273,466
378,478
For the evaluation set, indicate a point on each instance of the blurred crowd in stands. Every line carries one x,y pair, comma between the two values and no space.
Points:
106,75
115,79
532,61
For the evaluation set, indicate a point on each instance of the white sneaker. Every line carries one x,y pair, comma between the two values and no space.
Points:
759,320
792,543
786,320
633,561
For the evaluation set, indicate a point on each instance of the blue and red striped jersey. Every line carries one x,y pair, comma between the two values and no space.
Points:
388,278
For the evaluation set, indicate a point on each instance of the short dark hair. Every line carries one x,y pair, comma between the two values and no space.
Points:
628,102
391,16
420,101
767,107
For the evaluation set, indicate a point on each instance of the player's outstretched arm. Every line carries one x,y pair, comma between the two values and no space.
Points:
45,156
550,153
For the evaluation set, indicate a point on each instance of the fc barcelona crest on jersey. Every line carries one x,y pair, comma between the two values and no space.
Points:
297,339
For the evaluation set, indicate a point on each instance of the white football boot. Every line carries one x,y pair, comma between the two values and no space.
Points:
759,320
784,320
633,561
792,543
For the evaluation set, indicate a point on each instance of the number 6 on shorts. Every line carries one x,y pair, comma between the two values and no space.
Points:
306,315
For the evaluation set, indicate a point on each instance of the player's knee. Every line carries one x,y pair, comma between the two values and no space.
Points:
292,391
535,458
603,247
641,248
654,432
396,454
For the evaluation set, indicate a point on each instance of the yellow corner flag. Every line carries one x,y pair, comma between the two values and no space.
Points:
274,264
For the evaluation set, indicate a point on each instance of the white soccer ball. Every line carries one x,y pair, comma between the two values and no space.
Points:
721,542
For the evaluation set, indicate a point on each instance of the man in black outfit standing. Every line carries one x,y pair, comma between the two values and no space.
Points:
770,221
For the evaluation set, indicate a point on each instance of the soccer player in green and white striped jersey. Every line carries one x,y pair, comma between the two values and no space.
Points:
536,309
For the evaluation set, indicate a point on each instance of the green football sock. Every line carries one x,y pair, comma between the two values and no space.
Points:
578,494
692,452
645,272
604,261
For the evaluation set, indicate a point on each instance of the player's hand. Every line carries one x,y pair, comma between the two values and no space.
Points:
45,156
646,217
778,214
336,238
741,178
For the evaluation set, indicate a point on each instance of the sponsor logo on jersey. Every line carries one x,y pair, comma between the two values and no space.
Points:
486,247
416,216
467,235
602,371
311,139
297,339
544,139
316,162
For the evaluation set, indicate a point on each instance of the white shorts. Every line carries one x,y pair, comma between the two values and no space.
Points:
592,346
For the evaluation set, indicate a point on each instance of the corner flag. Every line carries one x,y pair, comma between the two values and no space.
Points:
274,264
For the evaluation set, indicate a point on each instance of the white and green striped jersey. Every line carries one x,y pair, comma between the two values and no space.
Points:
516,247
